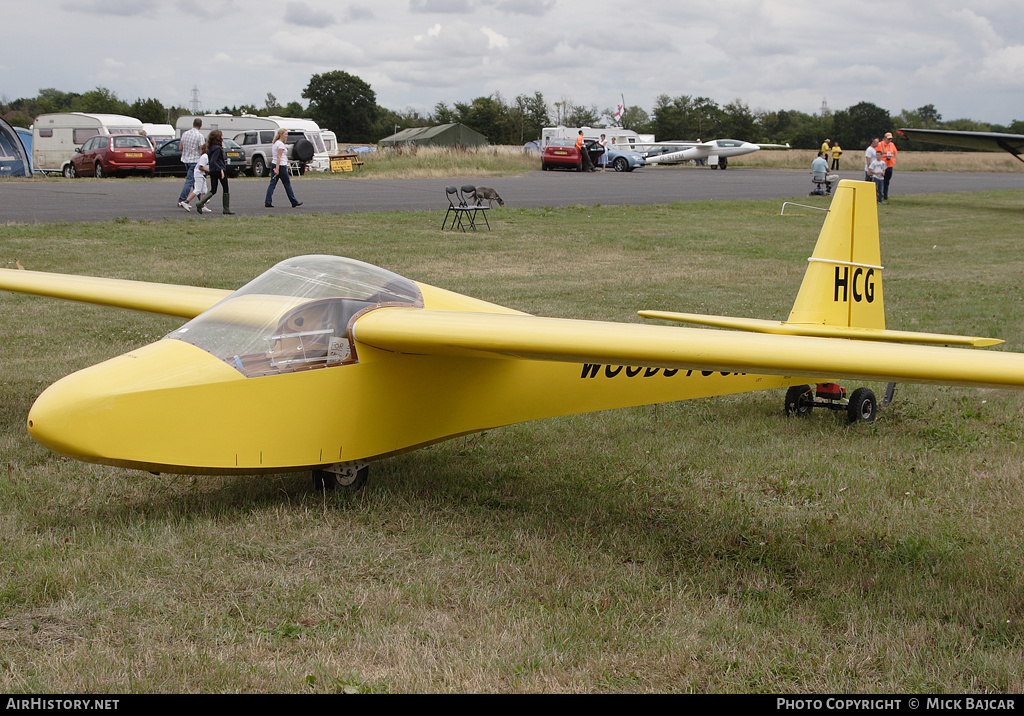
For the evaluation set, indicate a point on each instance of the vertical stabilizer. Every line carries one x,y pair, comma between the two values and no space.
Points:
843,283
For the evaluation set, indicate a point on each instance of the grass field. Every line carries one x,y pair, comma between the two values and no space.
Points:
705,546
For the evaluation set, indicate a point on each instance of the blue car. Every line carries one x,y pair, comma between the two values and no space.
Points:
621,160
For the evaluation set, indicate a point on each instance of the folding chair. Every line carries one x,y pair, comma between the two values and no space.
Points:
457,211
476,209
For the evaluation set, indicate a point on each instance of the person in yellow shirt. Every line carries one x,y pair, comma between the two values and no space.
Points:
836,152
825,148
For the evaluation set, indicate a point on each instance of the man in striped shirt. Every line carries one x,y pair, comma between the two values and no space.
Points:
191,142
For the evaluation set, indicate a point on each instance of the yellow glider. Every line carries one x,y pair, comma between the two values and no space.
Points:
326,363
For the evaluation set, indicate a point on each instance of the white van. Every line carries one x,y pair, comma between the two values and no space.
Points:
55,137
256,135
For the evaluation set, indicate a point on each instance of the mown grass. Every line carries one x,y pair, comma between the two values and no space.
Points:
710,546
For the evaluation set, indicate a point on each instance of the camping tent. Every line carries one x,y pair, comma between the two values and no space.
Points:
443,135
14,161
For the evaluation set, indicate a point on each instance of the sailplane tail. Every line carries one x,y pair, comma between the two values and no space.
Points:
841,294
843,282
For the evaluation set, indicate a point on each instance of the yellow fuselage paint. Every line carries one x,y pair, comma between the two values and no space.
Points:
171,407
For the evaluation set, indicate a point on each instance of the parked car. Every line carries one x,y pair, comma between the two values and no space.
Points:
168,159
563,153
259,144
621,160
112,154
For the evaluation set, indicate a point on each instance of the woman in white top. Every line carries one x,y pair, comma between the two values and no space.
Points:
279,170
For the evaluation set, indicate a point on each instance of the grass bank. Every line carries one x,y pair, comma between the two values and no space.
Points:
708,546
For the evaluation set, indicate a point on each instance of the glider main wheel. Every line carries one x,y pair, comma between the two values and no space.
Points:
863,407
799,400
350,480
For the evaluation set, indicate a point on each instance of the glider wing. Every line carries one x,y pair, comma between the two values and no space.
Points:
451,333
162,298
988,141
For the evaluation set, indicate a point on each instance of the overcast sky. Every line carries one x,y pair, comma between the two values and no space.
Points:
966,58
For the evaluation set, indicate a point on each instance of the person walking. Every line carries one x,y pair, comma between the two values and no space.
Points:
191,141
218,171
279,170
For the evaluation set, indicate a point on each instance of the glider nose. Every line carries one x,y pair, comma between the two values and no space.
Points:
112,413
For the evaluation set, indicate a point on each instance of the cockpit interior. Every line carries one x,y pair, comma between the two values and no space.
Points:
297,315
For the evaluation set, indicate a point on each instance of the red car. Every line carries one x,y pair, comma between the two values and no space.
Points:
561,153
109,155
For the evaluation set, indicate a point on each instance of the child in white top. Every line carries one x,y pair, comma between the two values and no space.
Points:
199,174
876,170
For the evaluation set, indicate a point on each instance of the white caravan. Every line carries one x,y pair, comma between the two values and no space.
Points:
256,135
616,136
55,137
161,134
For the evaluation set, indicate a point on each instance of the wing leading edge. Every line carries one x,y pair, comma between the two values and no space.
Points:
988,141
162,298
427,332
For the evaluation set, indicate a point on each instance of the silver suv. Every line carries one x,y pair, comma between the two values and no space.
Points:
259,146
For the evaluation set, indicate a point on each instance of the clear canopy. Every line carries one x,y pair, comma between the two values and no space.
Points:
296,316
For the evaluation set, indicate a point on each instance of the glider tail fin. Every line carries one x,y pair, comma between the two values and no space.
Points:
843,282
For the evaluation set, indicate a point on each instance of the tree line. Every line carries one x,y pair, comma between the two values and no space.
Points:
348,105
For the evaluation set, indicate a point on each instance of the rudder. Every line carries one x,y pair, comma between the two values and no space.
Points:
843,282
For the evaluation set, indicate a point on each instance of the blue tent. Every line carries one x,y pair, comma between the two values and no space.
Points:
14,160
26,141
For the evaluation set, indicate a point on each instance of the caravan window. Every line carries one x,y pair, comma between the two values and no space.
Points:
82,134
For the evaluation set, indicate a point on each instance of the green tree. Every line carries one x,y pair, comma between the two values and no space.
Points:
635,118
921,118
685,118
533,116
100,100
443,114
344,104
738,122
293,109
487,115
856,126
148,110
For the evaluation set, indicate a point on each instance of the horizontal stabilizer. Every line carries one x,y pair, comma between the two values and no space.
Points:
756,325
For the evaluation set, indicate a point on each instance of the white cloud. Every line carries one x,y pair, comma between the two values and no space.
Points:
494,39
966,59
